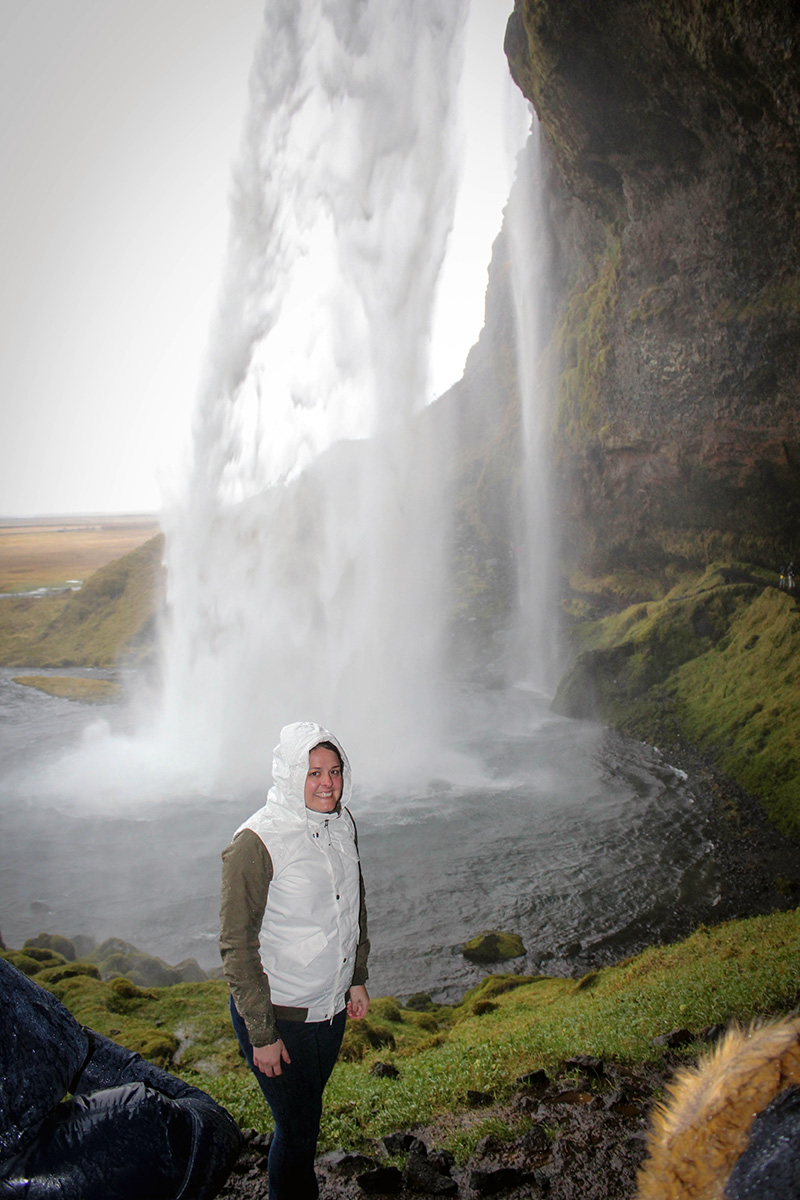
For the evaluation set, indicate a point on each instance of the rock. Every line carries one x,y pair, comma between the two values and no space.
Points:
84,945
491,1180
674,1039
382,1181
400,1143
442,1160
535,1142
190,971
535,1081
668,127
478,1099
587,1064
52,941
419,1002
348,1165
421,1175
259,1141
493,946
488,1146
383,1070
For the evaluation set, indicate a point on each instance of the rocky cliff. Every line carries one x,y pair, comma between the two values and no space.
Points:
672,132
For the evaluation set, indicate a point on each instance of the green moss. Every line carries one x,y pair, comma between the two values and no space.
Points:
497,985
714,663
117,957
420,1002
51,975
653,303
362,1036
734,971
493,946
29,963
52,943
781,296
71,687
481,1007
582,344
157,1022
386,1008
739,702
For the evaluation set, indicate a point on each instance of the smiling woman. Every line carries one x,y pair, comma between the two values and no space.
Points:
323,788
292,874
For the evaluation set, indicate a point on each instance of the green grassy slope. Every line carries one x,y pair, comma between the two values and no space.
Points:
110,618
505,1027
714,664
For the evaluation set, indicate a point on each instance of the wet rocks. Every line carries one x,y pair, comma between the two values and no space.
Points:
582,1137
492,946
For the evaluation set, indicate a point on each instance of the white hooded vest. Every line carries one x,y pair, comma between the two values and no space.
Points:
310,929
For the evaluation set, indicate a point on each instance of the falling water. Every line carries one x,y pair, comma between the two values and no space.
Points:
304,577
304,567
531,249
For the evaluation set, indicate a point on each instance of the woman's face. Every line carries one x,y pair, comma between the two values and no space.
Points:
323,788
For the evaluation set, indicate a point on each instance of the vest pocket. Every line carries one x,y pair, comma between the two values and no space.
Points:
302,951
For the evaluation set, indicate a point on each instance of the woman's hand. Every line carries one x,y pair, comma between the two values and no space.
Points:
358,1003
268,1058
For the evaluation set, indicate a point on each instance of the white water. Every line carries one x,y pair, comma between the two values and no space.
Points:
537,657
305,580
587,845
305,569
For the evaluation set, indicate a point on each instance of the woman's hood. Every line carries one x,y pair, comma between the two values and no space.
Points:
290,766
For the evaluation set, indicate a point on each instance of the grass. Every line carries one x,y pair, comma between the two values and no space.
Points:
505,1027
712,664
112,616
583,348
740,701
71,687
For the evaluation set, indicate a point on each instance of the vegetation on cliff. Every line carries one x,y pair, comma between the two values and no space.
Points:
713,664
672,133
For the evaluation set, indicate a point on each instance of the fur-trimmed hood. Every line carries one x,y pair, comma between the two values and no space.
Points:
730,1129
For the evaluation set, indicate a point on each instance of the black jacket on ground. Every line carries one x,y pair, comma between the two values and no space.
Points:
81,1118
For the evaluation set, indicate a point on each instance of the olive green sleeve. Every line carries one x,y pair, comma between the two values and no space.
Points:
246,876
360,974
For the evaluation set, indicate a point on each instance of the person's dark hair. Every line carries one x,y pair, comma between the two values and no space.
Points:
330,746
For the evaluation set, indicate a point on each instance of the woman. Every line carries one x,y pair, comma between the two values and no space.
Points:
291,879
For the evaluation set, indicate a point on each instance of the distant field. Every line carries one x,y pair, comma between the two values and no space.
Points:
52,552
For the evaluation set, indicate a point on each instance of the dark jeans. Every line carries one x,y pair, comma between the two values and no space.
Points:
295,1099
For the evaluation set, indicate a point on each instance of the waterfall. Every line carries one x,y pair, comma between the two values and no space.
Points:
536,655
304,562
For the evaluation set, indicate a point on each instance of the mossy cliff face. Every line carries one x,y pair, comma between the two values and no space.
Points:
672,132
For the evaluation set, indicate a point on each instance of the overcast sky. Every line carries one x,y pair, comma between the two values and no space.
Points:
121,122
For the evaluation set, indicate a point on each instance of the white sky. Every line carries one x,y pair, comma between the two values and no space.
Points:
121,121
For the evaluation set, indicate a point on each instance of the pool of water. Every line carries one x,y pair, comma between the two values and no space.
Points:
588,845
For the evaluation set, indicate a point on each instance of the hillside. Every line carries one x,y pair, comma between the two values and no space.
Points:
527,1079
110,619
